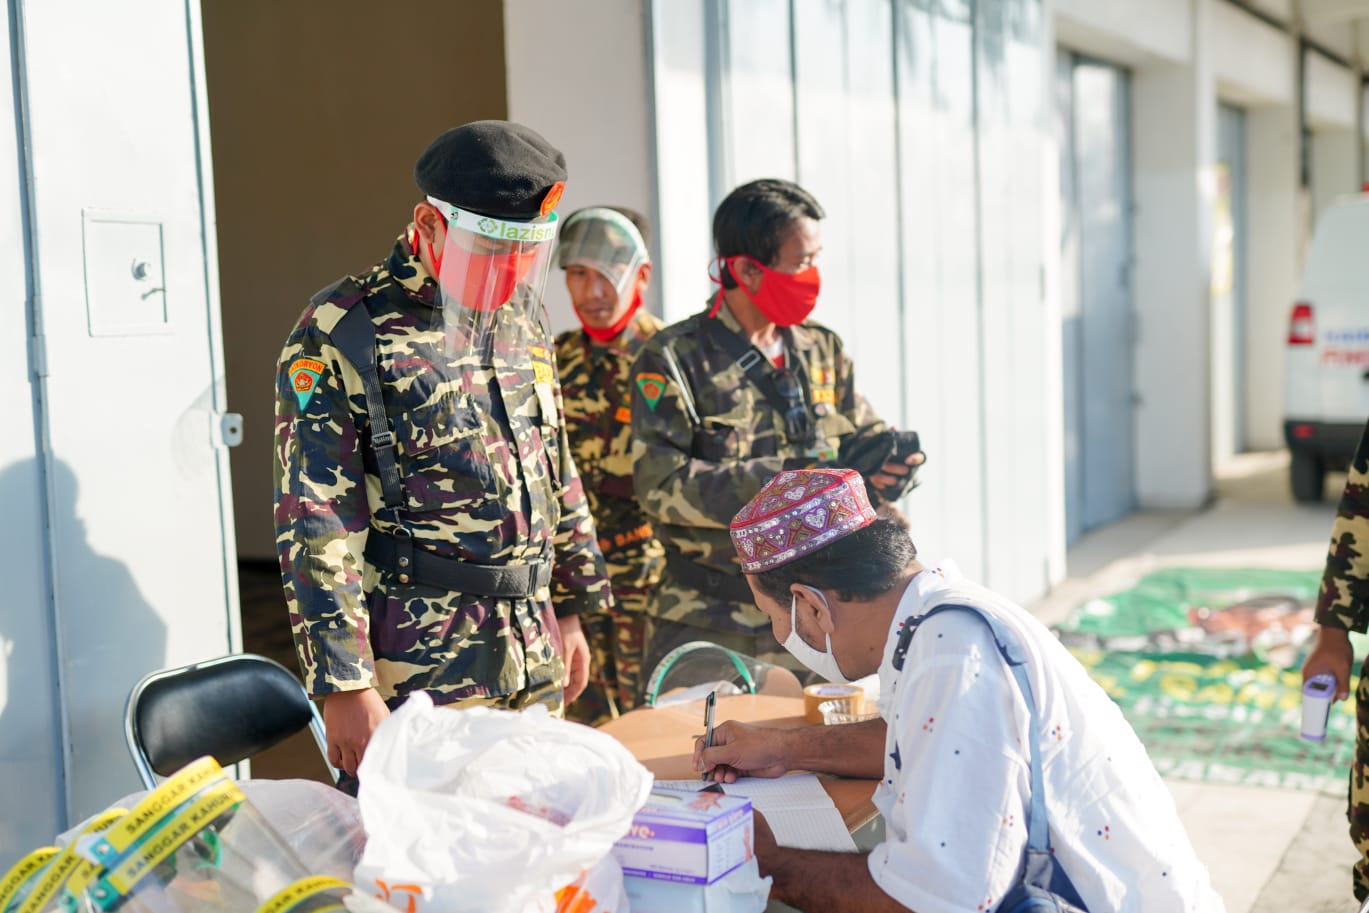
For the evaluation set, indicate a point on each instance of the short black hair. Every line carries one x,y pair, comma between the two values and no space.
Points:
755,218
858,567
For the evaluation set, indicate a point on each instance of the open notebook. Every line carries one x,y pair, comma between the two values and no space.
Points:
798,809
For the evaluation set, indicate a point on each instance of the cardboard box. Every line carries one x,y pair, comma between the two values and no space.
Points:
695,838
741,890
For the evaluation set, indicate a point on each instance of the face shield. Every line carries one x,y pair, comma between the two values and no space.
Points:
490,276
606,241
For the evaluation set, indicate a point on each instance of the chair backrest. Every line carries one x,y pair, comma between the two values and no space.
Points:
230,708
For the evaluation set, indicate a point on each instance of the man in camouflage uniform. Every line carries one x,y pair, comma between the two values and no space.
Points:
604,254
1342,607
724,400
432,530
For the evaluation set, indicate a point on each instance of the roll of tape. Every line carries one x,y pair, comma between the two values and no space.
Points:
814,695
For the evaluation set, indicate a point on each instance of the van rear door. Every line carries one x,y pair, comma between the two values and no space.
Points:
1336,285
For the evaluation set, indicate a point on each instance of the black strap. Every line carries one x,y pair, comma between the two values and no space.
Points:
798,423
412,564
709,581
355,338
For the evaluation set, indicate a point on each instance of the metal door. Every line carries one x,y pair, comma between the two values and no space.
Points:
1097,315
1228,287
127,336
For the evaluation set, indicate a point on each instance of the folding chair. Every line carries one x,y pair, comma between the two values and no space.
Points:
230,708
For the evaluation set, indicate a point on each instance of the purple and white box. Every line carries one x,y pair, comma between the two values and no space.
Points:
695,838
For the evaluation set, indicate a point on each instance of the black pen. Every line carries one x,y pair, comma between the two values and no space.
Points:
709,704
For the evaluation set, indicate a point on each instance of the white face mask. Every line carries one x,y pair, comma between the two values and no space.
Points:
824,664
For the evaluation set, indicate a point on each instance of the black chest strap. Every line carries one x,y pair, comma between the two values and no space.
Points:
798,422
355,337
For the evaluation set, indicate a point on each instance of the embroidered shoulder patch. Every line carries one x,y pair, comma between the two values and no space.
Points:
652,387
304,374
552,198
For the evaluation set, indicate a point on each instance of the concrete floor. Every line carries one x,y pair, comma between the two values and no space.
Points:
1267,850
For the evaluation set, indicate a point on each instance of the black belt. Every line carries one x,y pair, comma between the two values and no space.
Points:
399,556
732,587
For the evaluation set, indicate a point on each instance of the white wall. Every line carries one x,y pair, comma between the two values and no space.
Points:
1335,166
577,74
1253,62
1126,31
1333,94
1175,148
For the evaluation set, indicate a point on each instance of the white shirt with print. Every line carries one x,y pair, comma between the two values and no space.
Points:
957,788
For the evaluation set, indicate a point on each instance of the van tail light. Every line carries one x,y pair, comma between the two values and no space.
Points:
1301,331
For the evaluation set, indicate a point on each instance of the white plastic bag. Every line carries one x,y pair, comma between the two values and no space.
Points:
489,811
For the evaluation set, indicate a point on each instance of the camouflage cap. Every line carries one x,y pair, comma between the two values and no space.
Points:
797,513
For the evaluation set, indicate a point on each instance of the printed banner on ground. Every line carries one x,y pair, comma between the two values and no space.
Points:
1204,664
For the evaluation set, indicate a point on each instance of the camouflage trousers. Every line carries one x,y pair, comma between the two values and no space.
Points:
616,643
550,696
1358,810
663,636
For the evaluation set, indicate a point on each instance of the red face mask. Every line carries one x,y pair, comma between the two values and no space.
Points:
488,280
608,334
784,299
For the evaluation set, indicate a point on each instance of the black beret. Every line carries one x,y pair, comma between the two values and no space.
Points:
494,168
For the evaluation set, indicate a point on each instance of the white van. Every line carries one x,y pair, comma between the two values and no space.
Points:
1326,386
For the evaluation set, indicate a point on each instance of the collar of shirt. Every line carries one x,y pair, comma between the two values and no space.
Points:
407,269
796,337
917,599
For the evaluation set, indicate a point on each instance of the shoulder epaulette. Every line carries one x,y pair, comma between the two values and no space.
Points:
344,293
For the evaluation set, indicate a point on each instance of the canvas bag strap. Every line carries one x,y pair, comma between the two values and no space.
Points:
1038,833
355,338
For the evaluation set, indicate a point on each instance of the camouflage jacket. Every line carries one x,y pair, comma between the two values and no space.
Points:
487,477
594,385
1344,598
692,478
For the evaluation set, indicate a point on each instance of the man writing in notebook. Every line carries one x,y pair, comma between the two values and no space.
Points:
951,746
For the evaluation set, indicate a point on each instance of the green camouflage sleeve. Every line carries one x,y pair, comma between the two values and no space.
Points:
672,484
1344,598
322,515
579,576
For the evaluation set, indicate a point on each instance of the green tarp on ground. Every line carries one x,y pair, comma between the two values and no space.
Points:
1205,665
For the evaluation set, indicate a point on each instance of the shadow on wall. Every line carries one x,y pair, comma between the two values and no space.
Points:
108,637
